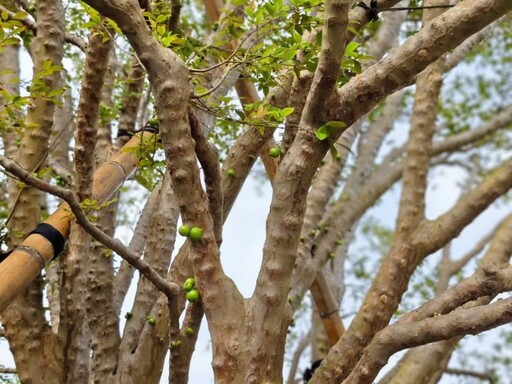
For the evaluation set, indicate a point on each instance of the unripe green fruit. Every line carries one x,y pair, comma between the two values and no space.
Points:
151,320
153,122
189,331
128,315
196,233
274,152
231,172
189,284
175,344
193,295
184,230
31,8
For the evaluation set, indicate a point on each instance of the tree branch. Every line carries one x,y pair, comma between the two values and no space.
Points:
8,371
357,97
324,80
299,349
30,24
434,234
170,289
400,335
208,156
466,372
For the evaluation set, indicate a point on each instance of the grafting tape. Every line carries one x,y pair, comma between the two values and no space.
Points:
52,235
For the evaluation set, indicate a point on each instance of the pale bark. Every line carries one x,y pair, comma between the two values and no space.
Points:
25,325
426,364
265,317
131,100
158,251
137,245
382,298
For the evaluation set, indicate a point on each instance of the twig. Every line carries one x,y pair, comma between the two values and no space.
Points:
232,54
172,24
10,371
68,37
466,372
219,83
301,346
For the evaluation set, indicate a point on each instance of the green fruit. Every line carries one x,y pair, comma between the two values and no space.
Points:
189,331
196,233
193,295
189,284
175,344
274,152
151,320
31,8
128,315
153,122
184,230
231,172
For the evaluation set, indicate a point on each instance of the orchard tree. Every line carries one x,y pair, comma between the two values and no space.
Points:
340,100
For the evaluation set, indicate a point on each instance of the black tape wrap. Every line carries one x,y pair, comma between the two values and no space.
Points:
147,128
373,10
4,255
52,235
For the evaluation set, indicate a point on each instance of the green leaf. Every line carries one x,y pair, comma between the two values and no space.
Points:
351,49
56,92
20,15
270,8
334,153
287,111
11,40
326,130
297,37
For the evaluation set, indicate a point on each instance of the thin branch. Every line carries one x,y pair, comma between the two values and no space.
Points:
332,49
232,54
449,225
123,278
466,372
301,346
208,156
30,24
400,336
8,371
172,24
467,46
169,289
181,355
457,265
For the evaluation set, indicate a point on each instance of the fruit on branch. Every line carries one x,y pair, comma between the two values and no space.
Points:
151,320
196,233
184,230
189,284
193,295
153,122
274,152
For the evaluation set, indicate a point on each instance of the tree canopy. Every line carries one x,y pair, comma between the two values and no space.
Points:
380,131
